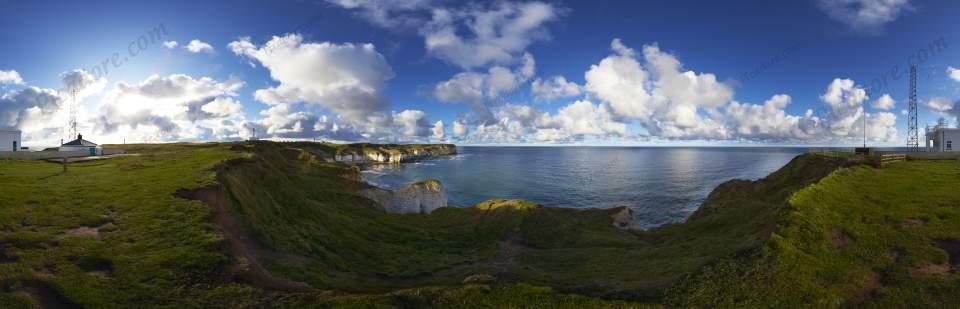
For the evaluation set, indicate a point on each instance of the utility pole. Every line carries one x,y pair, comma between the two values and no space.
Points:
864,129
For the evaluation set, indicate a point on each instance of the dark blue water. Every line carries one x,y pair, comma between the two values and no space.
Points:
662,185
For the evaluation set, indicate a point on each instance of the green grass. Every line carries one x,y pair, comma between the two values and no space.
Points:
155,249
752,243
857,238
152,243
299,204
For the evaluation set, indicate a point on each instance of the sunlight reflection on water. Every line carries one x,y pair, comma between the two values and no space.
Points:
662,185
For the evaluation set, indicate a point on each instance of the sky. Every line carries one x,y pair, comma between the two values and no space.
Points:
814,72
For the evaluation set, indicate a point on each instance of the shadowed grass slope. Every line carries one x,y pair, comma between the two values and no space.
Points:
299,204
861,237
110,233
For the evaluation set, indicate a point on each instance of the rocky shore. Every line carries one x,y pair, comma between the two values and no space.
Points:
421,197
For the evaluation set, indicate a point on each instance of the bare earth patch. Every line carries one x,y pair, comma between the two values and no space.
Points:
928,269
133,165
915,222
46,295
82,231
839,238
509,250
865,290
7,257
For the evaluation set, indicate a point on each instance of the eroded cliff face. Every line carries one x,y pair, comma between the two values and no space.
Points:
622,218
367,153
419,198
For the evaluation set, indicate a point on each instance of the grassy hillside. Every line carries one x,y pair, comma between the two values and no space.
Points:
276,224
109,232
116,233
297,204
862,237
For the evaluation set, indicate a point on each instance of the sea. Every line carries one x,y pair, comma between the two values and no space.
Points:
661,184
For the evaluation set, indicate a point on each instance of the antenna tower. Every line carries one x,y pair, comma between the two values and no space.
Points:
72,121
913,140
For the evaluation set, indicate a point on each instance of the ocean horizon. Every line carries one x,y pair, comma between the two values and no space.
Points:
661,184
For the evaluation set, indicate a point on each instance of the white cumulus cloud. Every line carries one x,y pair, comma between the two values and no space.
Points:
940,104
885,102
387,13
477,36
10,77
197,46
845,100
952,72
347,79
769,121
438,130
29,108
478,89
83,83
865,16
459,129
175,107
41,113
554,88
666,99
413,123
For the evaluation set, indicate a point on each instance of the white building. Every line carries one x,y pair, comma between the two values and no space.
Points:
81,144
10,140
941,138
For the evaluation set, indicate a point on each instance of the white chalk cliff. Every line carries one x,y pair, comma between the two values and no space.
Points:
392,153
419,198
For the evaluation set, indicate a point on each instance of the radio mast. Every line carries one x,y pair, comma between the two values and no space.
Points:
913,140
72,120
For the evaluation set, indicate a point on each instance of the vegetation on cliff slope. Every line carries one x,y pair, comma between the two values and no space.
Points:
304,206
113,233
862,237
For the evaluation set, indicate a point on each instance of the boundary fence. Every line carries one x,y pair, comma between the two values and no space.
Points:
890,158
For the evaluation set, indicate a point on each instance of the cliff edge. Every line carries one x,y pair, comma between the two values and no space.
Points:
390,153
419,198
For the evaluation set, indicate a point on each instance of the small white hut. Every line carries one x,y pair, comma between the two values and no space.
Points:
10,140
81,144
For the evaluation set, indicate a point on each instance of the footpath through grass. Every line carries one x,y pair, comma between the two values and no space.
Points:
111,233
299,204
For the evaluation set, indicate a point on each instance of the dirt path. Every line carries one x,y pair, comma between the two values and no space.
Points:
245,250
46,295
509,250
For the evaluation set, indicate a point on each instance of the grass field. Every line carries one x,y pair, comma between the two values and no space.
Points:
870,237
114,233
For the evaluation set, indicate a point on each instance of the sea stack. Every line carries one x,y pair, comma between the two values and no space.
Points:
418,198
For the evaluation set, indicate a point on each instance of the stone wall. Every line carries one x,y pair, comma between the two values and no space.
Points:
43,155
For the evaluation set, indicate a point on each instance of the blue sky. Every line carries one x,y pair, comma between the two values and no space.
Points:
635,72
